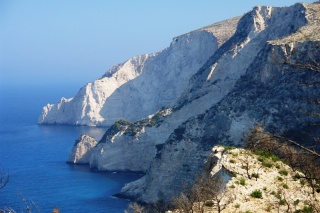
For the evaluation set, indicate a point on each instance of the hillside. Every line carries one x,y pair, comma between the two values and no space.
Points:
265,73
280,188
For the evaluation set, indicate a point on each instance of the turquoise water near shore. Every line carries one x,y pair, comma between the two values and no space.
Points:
35,157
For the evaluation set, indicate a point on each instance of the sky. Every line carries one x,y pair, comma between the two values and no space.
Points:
72,42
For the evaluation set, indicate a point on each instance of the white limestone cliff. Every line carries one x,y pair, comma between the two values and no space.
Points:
228,96
85,107
81,152
244,82
140,86
134,153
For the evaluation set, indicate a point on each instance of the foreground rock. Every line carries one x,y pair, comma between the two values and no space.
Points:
281,188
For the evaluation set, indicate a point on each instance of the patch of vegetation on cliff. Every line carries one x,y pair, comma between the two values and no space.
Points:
118,126
132,129
155,120
259,188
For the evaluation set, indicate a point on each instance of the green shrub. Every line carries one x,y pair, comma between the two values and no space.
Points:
209,203
261,159
282,202
302,182
256,194
277,195
237,205
242,181
280,178
263,153
283,172
255,175
296,202
232,161
285,186
227,148
307,209
274,158
267,164
232,186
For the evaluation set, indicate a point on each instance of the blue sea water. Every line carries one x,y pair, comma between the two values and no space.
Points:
35,157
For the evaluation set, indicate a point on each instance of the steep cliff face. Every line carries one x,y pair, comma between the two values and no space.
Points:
81,152
141,85
84,108
257,76
137,150
271,90
276,101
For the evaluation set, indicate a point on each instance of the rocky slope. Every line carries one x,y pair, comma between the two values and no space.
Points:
264,90
141,85
282,189
255,76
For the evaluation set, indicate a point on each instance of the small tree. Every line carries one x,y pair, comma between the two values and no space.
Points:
246,164
135,208
221,196
183,202
205,188
296,155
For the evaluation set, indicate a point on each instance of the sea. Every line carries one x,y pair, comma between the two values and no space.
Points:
35,158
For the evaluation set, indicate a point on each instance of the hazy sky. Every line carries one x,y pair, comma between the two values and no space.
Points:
76,41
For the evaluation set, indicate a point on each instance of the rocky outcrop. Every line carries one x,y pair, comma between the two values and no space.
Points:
84,108
278,183
255,77
142,85
81,152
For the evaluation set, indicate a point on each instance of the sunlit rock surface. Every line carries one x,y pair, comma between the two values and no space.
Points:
253,77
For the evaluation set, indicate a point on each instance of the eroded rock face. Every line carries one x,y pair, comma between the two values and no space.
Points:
142,85
134,152
255,85
81,152
130,146
252,78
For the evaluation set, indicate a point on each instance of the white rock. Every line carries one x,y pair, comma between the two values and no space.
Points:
137,88
81,151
